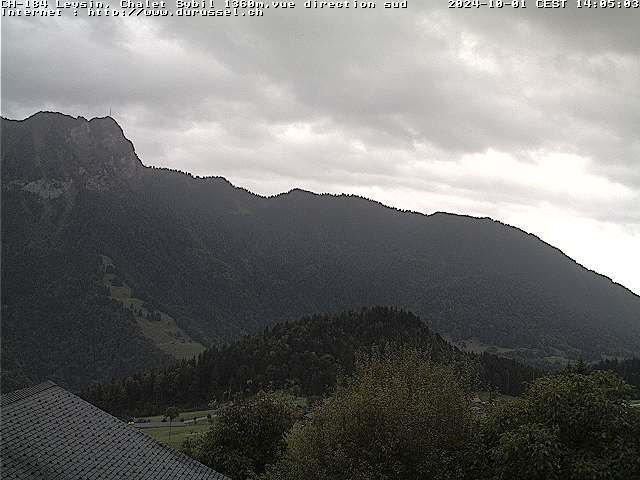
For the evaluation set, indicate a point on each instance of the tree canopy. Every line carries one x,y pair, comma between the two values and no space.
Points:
570,426
402,417
248,435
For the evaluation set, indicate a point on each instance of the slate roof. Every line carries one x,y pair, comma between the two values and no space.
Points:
48,433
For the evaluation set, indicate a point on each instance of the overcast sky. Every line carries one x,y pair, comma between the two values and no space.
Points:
531,117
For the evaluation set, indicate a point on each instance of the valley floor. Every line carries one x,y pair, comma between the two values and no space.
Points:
189,425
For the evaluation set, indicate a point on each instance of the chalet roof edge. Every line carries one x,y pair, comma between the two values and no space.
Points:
17,395
49,432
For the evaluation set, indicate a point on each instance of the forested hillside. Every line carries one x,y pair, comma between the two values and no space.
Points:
222,262
628,369
305,357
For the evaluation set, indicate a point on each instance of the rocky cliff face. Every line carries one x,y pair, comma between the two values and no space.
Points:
50,154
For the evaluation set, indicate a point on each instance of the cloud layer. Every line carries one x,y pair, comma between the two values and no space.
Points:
528,116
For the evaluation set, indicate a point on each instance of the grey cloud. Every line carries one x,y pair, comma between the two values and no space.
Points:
391,79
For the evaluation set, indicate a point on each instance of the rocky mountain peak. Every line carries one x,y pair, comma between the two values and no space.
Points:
48,152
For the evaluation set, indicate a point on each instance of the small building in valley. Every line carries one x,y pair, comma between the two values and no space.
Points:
50,434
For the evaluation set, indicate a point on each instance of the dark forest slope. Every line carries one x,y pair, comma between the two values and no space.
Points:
222,262
305,357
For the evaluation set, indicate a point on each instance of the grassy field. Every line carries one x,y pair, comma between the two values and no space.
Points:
184,415
165,333
175,436
169,338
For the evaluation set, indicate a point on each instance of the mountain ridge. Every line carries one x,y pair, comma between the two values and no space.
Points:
293,190
223,261
302,190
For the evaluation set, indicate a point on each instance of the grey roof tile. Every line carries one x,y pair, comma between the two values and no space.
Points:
49,433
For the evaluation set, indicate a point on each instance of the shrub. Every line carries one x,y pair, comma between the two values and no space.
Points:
400,417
